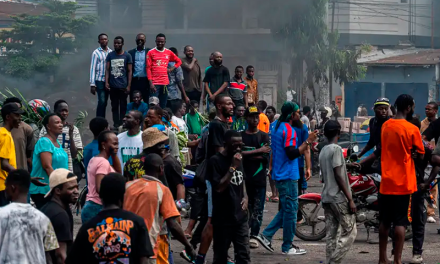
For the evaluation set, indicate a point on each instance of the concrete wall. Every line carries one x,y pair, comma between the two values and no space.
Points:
385,22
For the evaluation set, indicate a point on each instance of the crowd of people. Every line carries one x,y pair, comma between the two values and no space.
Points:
134,169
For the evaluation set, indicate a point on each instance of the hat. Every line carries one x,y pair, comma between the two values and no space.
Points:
331,125
382,101
251,110
152,136
59,176
11,108
153,100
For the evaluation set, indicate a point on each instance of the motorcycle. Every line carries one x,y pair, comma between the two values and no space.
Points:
365,190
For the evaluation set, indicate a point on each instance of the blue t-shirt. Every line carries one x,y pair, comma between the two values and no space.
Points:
282,167
90,151
118,69
59,161
143,108
302,134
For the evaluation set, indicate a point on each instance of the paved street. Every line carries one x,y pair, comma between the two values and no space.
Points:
361,252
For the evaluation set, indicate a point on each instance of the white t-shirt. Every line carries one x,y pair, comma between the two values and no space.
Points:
129,146
306,121
25,235
180,123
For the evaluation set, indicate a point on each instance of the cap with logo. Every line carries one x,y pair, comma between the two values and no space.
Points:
58,177
382,101
153,101
251,110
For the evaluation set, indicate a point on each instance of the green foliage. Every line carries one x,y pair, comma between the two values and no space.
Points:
40,40
301,26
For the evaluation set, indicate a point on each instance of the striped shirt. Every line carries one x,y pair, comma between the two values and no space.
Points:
282,167
237,88
97,66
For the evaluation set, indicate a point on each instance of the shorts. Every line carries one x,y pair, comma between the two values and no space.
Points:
209,189
395,209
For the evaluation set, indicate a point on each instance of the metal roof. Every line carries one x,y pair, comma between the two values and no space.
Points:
411,56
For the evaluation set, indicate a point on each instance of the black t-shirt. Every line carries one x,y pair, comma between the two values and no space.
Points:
173,173
216,77
226,206
112,236
422,164
375,135
217,130
62,222
433,131
255,166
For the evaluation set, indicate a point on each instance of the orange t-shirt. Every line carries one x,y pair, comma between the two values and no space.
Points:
264,124
399,137
153,201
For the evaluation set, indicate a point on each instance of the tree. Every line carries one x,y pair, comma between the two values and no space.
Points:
39,41
301,26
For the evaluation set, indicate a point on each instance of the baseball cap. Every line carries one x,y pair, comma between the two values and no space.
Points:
251,110
153,100
59,176
152,136
11,108
331,125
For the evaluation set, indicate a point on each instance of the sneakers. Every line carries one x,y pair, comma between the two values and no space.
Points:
264,242
430,219
294,250
417,259
253,242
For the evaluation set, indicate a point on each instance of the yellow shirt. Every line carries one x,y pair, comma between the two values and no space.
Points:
7,151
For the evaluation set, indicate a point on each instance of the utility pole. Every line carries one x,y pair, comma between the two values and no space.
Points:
432,24
331,62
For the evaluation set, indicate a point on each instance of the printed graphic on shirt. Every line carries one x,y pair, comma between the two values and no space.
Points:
237,178
117,66
111,240
129,152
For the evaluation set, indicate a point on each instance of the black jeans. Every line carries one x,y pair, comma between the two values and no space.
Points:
140,84
237,234
119,105
194,95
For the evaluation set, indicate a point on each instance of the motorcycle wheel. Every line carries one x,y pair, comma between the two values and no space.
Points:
311,229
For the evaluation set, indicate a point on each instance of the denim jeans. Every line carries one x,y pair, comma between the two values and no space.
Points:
257,197
162,94
89,211
286,217
102,98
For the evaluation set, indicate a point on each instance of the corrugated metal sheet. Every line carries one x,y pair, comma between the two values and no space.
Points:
87,8
412,57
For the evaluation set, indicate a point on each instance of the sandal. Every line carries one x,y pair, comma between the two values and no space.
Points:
186,257
275,199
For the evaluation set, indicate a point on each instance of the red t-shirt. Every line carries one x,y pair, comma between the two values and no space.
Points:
157,64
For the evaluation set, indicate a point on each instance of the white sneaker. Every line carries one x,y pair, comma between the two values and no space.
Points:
253,243
417,259
430,220
294,250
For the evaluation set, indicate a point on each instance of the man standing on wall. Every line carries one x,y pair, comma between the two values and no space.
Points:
176,91
97,74
192,75
252,85
139,57
216,78
157,69
118,74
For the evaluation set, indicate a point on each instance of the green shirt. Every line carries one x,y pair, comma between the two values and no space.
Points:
194,123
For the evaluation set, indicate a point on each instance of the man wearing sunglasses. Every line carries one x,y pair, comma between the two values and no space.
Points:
381,107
